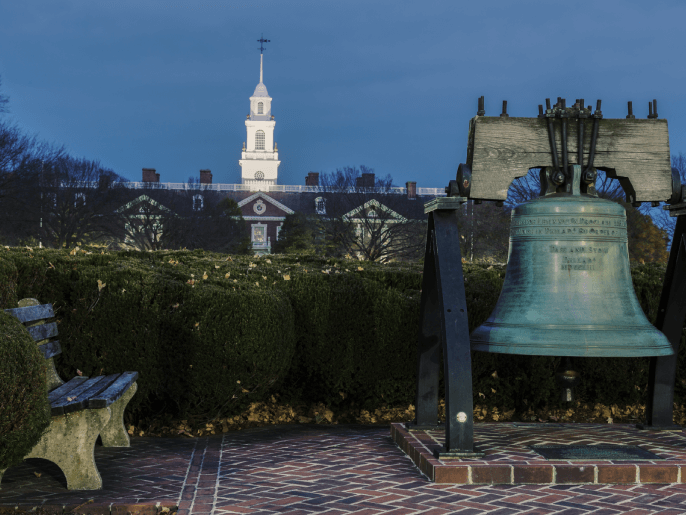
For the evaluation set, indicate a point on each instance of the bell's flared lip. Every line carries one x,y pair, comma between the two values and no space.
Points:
571,340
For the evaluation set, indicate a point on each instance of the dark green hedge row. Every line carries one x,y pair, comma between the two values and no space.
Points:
207,344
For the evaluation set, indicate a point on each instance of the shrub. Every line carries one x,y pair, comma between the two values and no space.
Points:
24,406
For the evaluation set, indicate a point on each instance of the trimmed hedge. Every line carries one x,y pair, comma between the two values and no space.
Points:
24,406
333,331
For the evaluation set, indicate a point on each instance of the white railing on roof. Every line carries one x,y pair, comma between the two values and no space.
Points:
297,188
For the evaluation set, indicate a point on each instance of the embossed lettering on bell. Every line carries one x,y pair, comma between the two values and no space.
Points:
567,288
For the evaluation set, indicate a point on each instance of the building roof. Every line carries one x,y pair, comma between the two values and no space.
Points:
260,91
304,202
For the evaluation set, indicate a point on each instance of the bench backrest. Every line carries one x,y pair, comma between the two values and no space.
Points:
33,316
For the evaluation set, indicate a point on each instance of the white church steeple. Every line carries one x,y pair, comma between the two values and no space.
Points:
260,159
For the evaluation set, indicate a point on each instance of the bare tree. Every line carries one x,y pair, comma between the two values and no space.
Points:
484,231
79,201
362,217
141,220
22,159
661,217
4,100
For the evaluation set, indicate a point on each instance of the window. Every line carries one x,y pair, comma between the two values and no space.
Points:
259,176
79,198
260,108
320,205
278,230
372,214
259,140
258,234
52,198
197,202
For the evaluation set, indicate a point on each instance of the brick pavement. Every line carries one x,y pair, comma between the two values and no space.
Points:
305,469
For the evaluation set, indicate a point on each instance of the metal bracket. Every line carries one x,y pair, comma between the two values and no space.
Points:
670,320
677,202
443,323
555,176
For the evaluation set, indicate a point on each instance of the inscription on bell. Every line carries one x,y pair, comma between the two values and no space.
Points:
579,263
574,231
560,225
568,220
556,249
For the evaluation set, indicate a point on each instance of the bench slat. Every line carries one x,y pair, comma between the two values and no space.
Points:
96,387
114,391
32,313
66,387
72,398
43,331
50,349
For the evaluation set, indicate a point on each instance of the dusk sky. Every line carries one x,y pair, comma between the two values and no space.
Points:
391,85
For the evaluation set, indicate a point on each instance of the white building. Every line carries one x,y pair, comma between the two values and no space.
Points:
259,160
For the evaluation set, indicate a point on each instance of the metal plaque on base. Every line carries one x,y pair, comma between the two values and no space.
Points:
536,426
443,453
413,426
594,452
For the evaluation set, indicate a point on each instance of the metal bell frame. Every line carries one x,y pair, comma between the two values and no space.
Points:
444,323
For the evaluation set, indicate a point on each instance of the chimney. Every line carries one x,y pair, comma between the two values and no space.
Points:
312,179
366,181
411,190
150,175
205,177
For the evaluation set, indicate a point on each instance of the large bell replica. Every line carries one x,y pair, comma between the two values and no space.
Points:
567,288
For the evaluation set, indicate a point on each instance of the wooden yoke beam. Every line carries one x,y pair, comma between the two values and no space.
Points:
634,151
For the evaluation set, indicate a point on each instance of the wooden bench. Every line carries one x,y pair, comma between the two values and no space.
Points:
82,409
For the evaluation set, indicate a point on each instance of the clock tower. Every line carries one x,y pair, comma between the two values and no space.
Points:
260,159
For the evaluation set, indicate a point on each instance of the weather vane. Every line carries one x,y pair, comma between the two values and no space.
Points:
262,41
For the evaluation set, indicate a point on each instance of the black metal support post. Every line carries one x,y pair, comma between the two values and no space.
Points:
443,318
670,320
428,345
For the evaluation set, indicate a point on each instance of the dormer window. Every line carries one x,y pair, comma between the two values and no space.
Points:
320,205
259,140
260,108
197,202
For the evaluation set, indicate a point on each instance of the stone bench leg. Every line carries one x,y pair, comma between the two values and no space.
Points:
114,434
70,443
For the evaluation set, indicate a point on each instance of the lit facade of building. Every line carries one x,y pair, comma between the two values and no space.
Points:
260,159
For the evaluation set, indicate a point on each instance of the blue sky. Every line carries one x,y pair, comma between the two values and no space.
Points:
391,85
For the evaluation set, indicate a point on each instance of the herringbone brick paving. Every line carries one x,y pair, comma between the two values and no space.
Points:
307,469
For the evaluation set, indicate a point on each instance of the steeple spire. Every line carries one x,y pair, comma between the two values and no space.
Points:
260,158
262,41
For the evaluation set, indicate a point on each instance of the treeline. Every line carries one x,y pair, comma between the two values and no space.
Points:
49,198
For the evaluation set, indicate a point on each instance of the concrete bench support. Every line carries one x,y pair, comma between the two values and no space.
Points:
114,433
69,443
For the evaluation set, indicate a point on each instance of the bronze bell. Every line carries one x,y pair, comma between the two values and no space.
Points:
567,288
